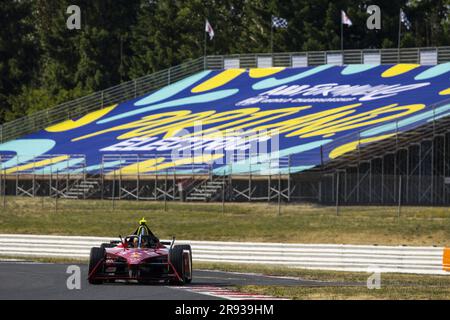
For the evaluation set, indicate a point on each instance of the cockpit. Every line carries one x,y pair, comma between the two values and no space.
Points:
143,237
141,241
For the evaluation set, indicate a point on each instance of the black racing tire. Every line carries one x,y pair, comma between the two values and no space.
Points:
107,245
176,258
96,255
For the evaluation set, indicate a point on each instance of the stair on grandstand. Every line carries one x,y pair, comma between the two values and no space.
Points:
82,189
207,191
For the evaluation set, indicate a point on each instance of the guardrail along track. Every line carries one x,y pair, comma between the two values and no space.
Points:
403,259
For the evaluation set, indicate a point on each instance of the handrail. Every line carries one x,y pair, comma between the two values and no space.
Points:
137,87
312,58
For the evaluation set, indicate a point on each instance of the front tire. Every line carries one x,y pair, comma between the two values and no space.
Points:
95,258
178,261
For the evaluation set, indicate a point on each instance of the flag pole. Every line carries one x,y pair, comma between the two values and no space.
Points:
204,52
342,34
399,34
271,35
204,41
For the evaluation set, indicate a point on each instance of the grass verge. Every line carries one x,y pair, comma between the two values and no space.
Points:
238,221
352,293
394,286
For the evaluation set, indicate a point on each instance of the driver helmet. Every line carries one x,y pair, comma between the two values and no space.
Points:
145,243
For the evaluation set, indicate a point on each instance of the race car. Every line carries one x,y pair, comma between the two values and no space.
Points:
142,257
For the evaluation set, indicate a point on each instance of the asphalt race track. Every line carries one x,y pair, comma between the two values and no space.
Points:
30,280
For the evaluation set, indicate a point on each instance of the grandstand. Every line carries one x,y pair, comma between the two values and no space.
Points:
348,127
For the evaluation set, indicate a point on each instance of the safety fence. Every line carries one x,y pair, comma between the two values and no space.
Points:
274,182
425,55
363,258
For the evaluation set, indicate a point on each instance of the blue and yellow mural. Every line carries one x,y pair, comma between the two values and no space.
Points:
214,112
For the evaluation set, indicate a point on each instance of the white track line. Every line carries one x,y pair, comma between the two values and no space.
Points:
15,261
225,293
264,275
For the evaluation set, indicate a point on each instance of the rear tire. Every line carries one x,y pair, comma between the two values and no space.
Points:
96,255
176,258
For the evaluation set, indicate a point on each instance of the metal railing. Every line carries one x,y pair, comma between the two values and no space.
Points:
312,58
137,87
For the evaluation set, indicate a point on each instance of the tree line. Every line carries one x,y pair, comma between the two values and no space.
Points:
43,63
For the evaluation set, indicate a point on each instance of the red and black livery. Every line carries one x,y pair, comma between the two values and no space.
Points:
142,257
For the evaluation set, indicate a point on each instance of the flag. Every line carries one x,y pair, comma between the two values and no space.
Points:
209,30
278,22
404,19
345,19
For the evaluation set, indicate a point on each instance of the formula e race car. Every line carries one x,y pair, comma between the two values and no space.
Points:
141,257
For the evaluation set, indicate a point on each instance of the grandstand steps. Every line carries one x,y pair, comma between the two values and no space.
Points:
82,189
207,191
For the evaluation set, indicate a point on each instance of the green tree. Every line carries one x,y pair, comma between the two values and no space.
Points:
42,63
18,50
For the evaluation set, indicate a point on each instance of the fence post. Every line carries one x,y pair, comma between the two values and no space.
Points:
4,188
50,183
102,175
114,190
120,180
67,176
138,184
269,183
337,194
156,178
56,193
223,192
250,185
230,181
165,192
34,180
279,193
289,178
174,184
43,193
399,197
17,176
